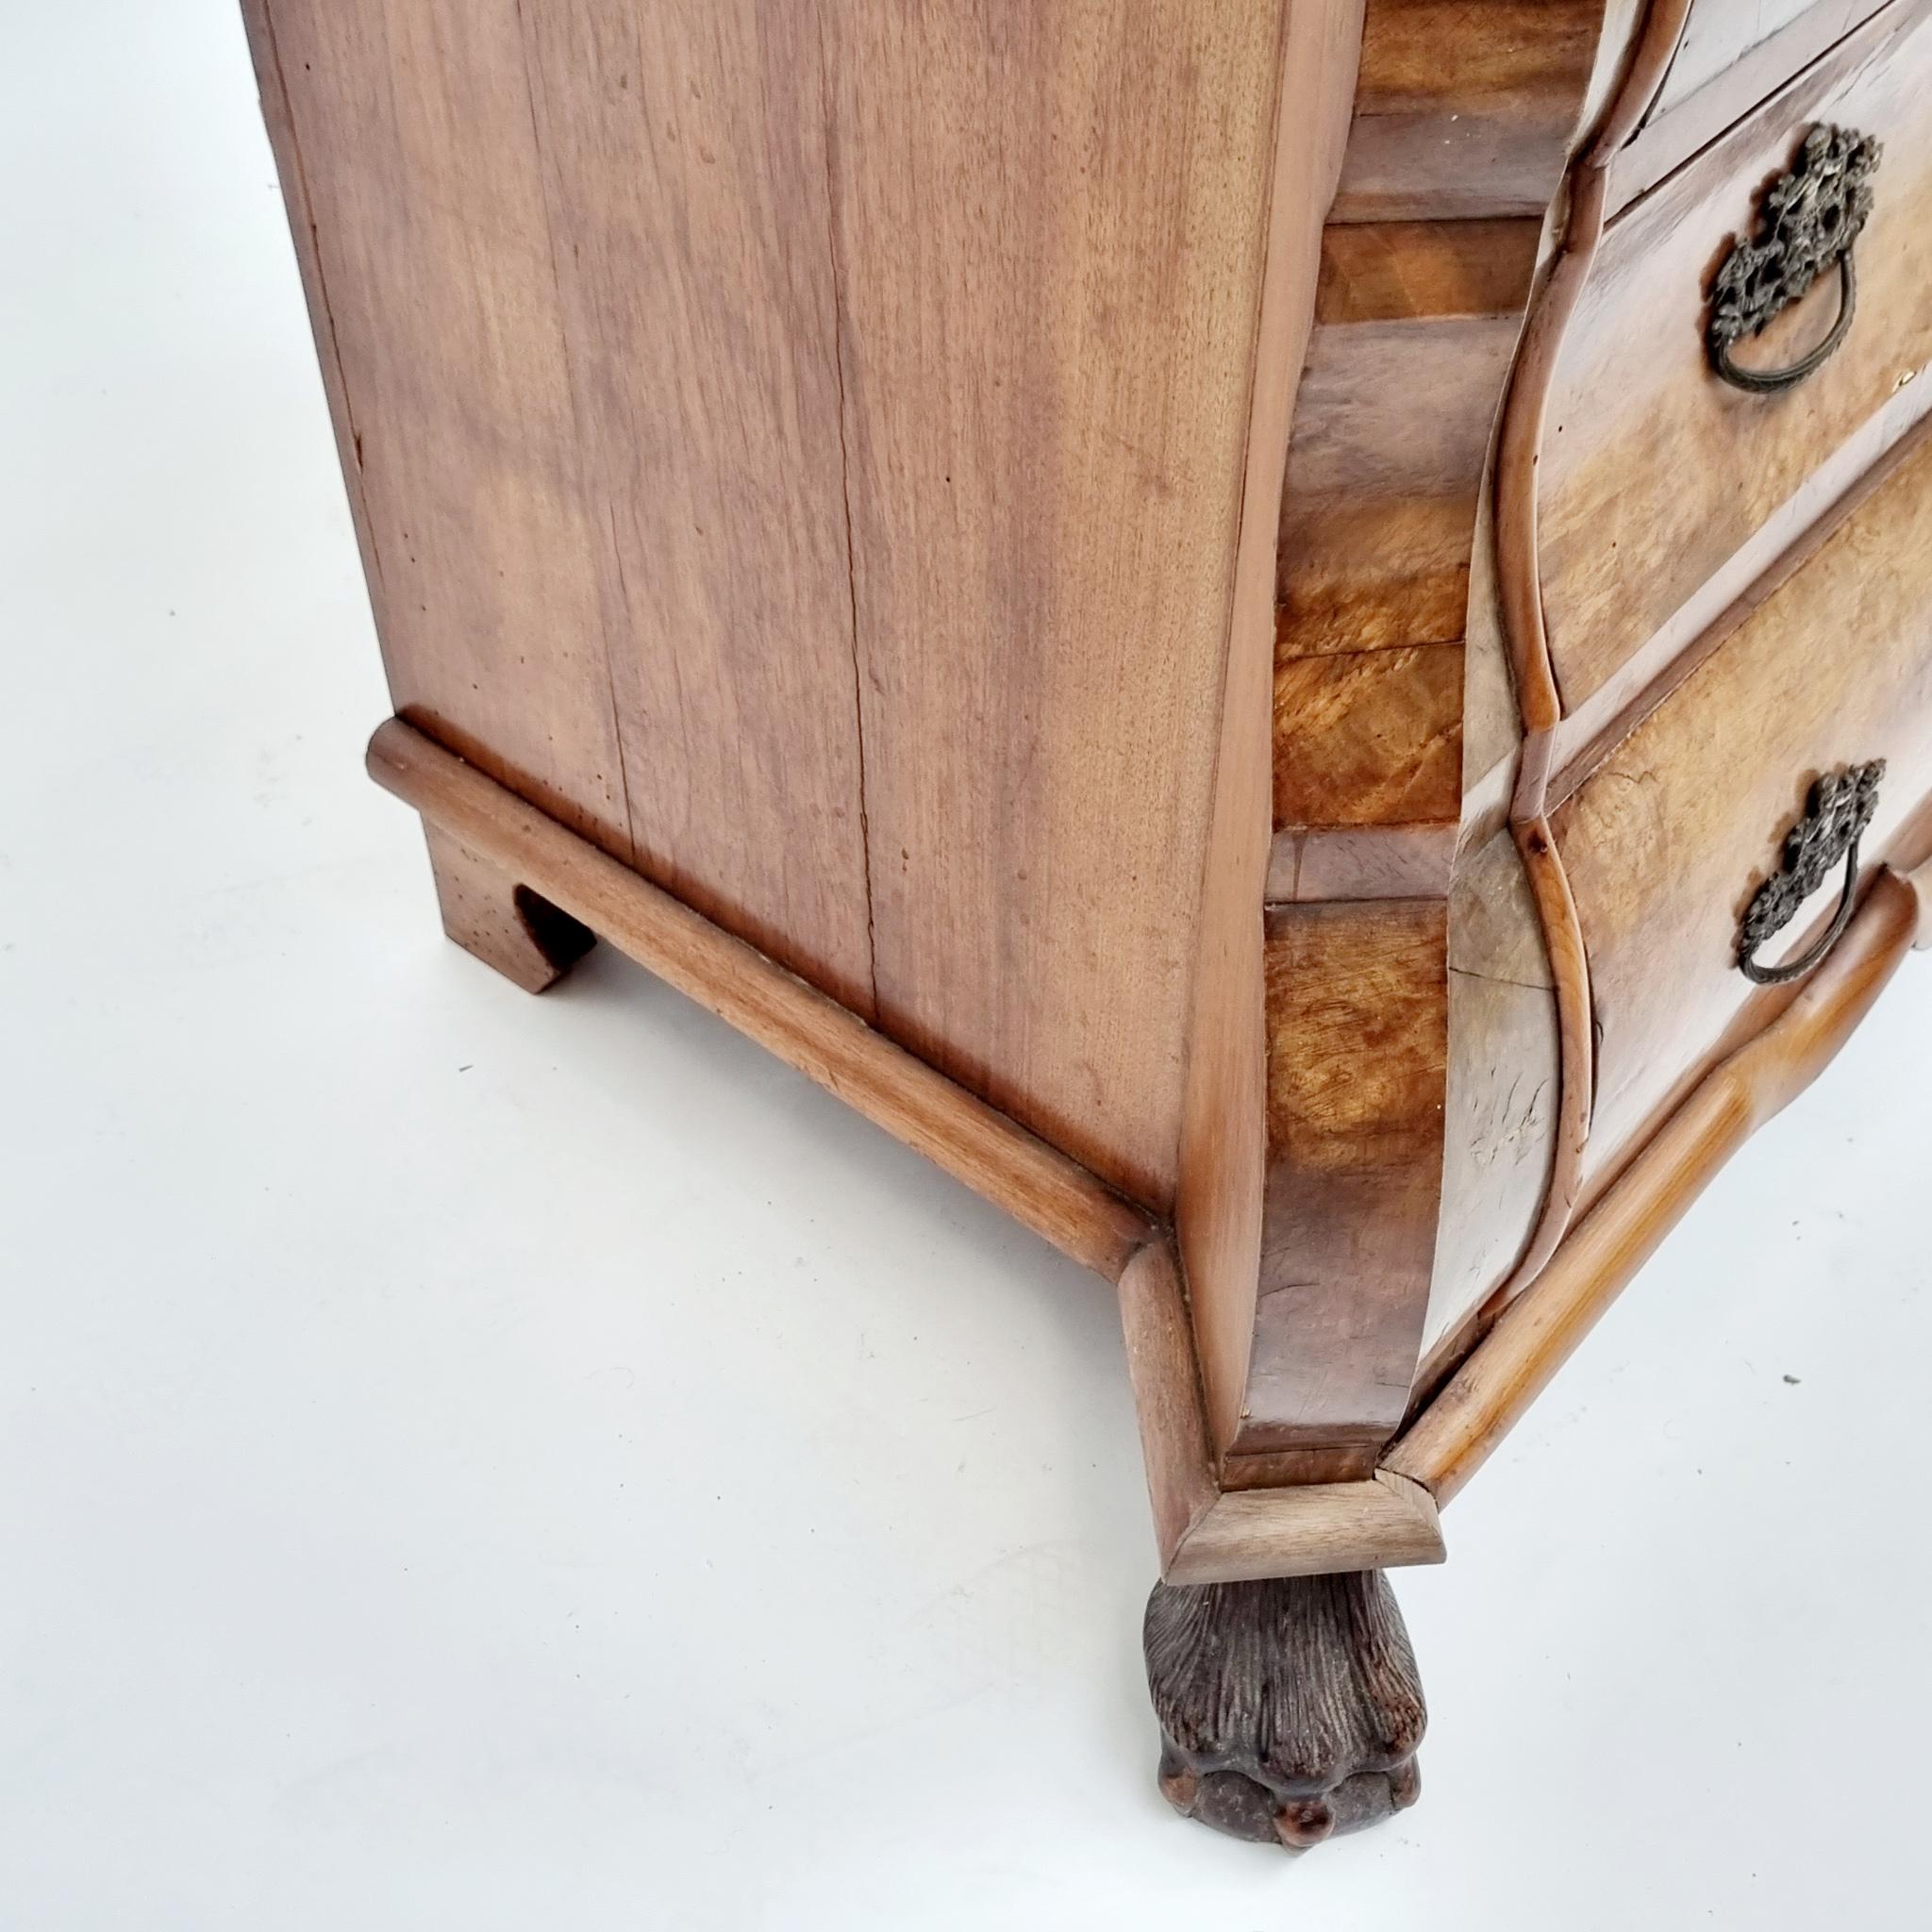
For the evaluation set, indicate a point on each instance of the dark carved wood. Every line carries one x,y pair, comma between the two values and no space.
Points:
1290,1709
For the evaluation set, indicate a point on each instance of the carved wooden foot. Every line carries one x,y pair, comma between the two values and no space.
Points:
506,926
1290,1709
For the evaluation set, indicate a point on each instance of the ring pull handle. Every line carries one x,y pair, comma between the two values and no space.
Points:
1841,808
1811,217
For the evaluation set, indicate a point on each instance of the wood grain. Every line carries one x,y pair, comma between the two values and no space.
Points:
1920,880
1039,1186
1720,36
1413,271
1166,1379
1532,1340
506,926
1504,1090
1783,542
1369,737
1744,57
1570,968
1357,1047
1384,1521
806,448
1290,1709
416,197
1372,862
1515,539
1050,225
683,156
1665,844
1417,318
1621,93
1465,111
1384,471
1218,1204
1654,471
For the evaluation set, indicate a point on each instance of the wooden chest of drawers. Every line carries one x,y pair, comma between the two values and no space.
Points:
1298,639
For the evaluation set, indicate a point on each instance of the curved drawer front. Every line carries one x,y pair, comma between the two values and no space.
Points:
1718,34
1671,839
1663,489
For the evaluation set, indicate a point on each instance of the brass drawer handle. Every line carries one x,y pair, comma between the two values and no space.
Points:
1811,216
1841,808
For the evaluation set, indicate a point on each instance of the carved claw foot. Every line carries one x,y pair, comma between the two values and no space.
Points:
1290,1709
525,937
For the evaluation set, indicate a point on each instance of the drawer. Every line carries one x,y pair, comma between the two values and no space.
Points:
1664,490
1667,842
1721,35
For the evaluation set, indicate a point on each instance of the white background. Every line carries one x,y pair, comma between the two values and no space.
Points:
471,1461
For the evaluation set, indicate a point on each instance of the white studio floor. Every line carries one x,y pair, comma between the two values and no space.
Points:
473,1462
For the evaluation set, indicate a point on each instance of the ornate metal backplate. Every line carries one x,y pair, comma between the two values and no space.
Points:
1840,809
1811,217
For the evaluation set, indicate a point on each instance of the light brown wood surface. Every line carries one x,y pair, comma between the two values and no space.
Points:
1417,317
1369,737
1380,1522
973,541
1920,880
1725,60
1391,428
1465,111
1665,845
1163,1369
1720,35
487,913
416,198
1051,227
1655,471
1504,1090
1785,538
1218,1202
806,449
1533,1339
1358,1044
683,154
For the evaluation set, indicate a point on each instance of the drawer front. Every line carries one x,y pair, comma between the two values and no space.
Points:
1668,842
1663,490
1720,34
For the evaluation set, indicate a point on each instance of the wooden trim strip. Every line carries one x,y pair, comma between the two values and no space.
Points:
1452,1439
1204,1535
1208,1535
1166,1379
1549,885
1520,596
1520,440
1386,1521
1920,880
1036,1184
